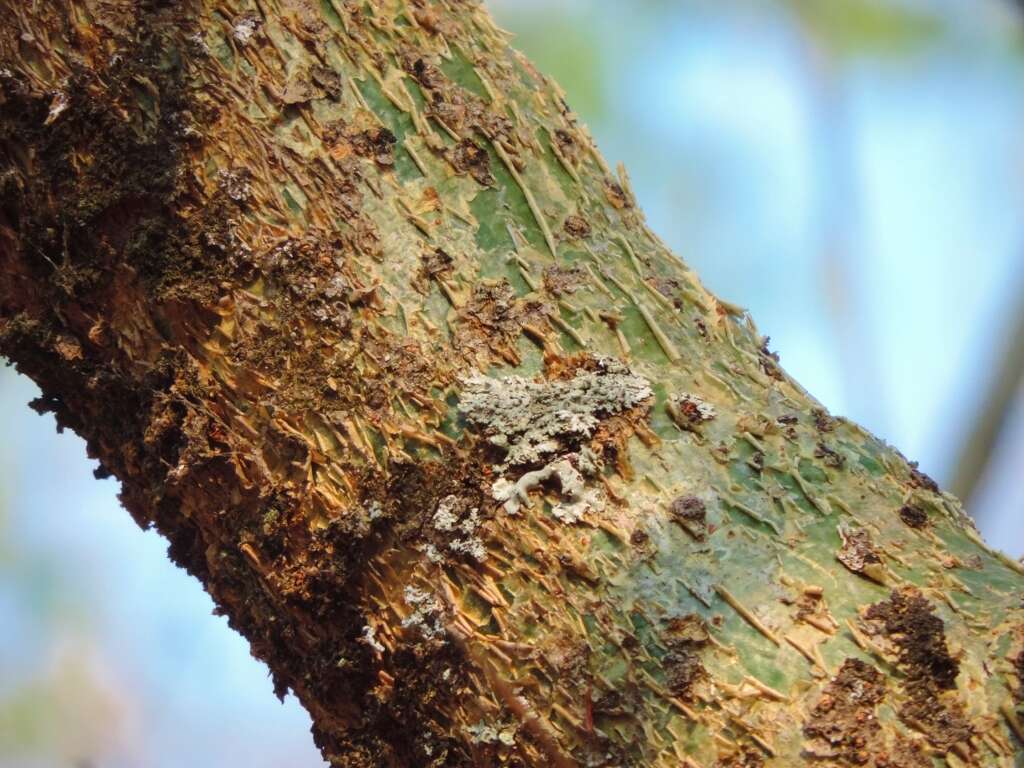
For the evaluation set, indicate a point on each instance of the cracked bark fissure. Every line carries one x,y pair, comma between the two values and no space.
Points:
262,254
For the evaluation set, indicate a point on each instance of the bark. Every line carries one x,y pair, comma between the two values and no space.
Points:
349,302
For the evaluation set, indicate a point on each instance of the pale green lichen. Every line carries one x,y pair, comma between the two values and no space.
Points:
532,420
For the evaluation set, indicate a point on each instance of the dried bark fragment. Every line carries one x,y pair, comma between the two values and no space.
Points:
568,146
919,479
829,457
377,143
434,264
491,321
328,79
769,360
937,715
576,227
822,421
691,513
684,637
469,157
559,281
616,195
843,723
689,411
859,555
913,516
299,89
908,620
909,623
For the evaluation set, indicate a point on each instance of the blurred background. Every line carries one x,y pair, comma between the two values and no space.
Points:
852,171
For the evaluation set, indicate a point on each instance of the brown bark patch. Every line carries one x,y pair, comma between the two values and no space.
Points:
690,512
843,724
576,227
616,195
769,362
1018,669
460,109
822,421
829,457
559,281
491,321
919,479
684,637
913,516
434,265
567,145
907,620
469,157
377,143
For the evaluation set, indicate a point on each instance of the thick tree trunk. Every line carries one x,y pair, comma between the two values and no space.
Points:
367,328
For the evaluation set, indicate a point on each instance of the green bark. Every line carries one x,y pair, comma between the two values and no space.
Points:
351,305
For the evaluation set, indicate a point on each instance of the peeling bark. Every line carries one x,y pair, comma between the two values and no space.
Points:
348,301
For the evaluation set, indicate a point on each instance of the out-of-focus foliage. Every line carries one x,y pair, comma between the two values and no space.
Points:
870,27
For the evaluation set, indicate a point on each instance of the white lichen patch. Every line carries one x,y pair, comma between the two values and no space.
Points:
200,42
481,733
574,501
532,420
447,520
432,554
245,27
235,184
58,106
427,615
369,637
471,546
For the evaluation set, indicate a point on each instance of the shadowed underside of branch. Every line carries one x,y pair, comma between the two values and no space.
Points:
366,327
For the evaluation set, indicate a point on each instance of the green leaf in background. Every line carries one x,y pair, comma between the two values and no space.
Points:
869,27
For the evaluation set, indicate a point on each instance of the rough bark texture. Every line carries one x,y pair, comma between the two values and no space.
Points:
366,327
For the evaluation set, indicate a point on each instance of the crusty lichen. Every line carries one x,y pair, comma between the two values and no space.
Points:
447,520
531,420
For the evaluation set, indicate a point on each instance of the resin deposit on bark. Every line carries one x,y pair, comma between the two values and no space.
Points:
348,301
